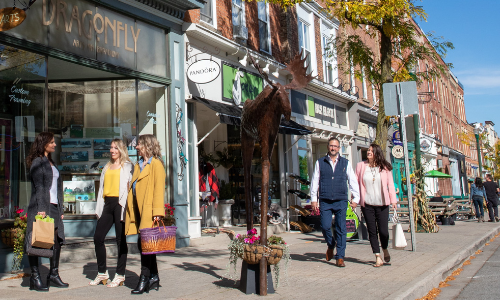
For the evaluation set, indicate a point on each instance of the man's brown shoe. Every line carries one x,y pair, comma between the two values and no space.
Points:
340,263
329,254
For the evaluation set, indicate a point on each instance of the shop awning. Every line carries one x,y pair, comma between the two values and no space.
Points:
437,174
231,114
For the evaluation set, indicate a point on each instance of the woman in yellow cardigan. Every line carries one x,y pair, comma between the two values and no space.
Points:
145,204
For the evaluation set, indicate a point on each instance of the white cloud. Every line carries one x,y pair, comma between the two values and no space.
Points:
479,78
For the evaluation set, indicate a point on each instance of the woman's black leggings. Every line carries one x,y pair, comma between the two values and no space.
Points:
377,220
111,214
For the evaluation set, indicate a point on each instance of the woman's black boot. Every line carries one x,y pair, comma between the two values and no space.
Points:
142,286
35,279
53,276
154,282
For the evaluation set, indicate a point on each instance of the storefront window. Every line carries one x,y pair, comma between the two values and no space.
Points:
86,108
22,88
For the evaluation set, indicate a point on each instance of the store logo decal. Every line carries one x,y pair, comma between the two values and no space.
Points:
17,95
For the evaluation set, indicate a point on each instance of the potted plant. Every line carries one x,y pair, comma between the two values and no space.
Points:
225,159
227,193
14,237
169,219
248,248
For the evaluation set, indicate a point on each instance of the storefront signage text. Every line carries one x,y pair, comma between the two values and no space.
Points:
153,116
11,17
85,22
18,95
203,71
323,110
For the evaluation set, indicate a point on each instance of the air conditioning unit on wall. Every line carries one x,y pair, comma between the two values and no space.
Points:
240,32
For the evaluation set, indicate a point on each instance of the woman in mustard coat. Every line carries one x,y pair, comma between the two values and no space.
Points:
145,204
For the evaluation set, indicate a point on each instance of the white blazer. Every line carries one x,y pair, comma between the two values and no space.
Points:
125,177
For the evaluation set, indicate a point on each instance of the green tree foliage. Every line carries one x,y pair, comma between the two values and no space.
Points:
400,44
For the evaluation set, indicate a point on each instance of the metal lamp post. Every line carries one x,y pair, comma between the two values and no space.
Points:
479,158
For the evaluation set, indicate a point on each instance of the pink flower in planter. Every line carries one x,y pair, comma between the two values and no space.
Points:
252,231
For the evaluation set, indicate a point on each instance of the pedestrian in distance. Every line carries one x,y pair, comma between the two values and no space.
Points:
46,199
477,196
377,193
110,209
492,191
145,204
329,194
438,197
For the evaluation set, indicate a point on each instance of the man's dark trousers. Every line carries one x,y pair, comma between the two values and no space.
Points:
327,208
492,205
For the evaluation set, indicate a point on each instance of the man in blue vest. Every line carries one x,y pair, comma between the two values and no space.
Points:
329,186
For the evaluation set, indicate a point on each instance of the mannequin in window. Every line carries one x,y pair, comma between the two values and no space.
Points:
208,182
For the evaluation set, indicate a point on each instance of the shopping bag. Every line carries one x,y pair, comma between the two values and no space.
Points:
43,234
398,236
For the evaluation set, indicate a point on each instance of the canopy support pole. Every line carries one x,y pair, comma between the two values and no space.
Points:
206,135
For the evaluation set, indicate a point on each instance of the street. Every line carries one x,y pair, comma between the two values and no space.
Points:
479,279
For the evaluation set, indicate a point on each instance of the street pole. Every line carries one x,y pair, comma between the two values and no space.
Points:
479,158
416,127
407,168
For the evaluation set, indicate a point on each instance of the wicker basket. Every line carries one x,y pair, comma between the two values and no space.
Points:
8,237
158,239
275,255
253,253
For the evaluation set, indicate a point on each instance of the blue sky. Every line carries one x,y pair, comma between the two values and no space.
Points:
472,27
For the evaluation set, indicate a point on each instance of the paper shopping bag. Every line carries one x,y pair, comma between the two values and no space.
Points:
43,234
398,237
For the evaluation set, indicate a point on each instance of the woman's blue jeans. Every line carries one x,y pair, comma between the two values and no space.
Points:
478,204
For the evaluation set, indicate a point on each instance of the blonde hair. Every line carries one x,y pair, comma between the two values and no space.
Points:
151,146
122,148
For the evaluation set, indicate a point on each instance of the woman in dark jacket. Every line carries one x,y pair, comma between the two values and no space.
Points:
46,199
477,192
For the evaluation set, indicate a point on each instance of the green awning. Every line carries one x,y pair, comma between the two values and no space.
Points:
437,174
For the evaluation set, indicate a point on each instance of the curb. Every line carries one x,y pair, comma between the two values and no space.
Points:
425,283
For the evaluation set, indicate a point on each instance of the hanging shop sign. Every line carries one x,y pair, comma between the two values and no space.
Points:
371,132
425,145
203,71
398,151
11,17
396,138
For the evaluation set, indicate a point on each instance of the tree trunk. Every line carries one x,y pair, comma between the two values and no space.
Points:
386,72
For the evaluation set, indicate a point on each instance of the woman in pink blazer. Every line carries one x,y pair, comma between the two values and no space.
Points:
377,192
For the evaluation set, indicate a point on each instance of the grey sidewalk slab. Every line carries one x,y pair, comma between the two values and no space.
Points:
200,272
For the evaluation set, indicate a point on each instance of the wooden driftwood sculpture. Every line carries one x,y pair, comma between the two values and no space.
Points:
260,123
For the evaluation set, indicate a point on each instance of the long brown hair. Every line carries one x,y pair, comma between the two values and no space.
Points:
38,147
379,159
479,182
151,146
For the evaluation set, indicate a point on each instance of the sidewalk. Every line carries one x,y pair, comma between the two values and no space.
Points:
199,272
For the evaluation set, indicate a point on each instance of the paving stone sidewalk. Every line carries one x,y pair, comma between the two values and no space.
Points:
200,272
